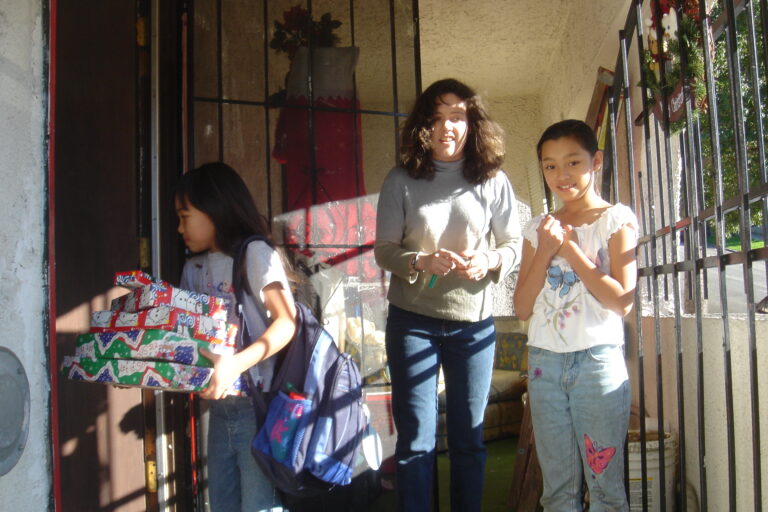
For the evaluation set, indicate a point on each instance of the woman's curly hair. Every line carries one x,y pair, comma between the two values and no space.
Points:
484,150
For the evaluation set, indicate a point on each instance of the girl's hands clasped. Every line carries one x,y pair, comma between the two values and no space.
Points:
551,235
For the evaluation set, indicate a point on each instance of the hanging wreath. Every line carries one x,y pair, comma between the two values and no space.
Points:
681,36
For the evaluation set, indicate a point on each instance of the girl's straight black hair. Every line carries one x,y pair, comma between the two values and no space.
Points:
577,130
217,190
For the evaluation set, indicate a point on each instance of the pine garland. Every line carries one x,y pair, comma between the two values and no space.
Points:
688,40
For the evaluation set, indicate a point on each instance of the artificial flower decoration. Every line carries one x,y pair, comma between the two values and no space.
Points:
297,29
669,24
681,36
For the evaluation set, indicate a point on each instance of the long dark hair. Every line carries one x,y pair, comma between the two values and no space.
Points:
484,150
217,190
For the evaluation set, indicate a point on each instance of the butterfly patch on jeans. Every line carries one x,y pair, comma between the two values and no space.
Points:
563,280
598,458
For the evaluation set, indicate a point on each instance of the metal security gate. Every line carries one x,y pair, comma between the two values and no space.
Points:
304,99
685,147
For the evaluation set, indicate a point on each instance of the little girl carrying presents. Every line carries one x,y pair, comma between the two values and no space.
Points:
216,214
577,279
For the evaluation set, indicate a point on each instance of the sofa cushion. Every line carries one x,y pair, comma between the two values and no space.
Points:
501,419
511,351
504,411
506,385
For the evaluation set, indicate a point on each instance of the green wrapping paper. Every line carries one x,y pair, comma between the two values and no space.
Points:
152,339
176,320
142,374
147,344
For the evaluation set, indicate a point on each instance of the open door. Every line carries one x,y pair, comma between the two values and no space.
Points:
99,223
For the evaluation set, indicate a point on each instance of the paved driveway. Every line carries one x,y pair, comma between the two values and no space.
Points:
734,284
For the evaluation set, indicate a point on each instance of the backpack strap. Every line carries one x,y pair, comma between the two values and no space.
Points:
239,272
241,287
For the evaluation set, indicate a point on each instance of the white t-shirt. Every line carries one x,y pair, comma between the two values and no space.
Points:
566,316
211,273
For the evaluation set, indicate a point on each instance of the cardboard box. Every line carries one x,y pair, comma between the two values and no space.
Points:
150,344
163,294
201,327
143,374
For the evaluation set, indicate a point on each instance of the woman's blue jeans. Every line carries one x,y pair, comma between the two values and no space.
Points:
417,346
235,481
580,411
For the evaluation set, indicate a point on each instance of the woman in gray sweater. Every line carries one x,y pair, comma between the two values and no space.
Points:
436,214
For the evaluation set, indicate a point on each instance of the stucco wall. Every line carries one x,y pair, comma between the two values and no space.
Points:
517,115
572,72
573,69
26,487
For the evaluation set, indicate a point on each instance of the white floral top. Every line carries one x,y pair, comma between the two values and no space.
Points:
566,316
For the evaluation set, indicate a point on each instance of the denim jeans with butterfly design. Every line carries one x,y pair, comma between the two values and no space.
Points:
580,411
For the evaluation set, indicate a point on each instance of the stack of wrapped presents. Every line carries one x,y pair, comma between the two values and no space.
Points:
152,336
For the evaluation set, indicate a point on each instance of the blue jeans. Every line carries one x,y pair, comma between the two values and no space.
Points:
416,347
235,481
580,412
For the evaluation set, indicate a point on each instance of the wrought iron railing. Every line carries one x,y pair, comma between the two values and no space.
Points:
699,187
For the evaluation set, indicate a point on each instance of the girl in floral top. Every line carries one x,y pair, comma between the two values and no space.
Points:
577,279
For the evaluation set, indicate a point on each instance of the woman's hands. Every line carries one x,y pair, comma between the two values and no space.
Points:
477,264
471,265
438,263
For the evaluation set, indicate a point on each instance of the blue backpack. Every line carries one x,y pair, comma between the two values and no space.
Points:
312,418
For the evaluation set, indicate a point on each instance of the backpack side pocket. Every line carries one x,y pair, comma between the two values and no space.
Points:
284,429
338,428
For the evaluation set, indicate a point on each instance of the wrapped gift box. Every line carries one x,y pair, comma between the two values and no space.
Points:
151,344
163,294
144,374
136,279
204,328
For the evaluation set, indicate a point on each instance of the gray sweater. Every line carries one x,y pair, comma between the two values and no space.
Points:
446,212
